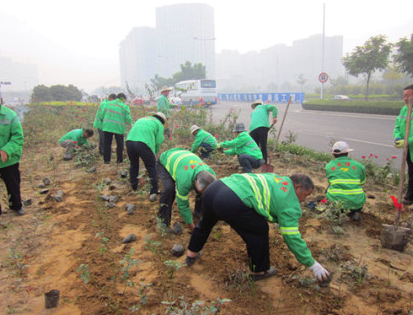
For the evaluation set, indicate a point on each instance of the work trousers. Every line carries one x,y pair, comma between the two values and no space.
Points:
260,136
68,144
248,162
136,150
168,194
409,192
107,146
205,150
11,177
101,141
219,202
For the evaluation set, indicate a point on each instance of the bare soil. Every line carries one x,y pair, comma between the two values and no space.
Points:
43,250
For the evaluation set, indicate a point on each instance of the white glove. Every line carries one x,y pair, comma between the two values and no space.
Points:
320,273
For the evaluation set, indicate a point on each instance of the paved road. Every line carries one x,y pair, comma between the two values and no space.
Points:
365,133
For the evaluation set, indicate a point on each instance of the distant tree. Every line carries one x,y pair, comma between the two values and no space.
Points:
374,55
188,72
301,81
404,55
41,93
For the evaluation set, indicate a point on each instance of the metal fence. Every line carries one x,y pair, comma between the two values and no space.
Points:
297,98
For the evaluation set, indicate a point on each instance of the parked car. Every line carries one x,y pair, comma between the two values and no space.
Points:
176,100
340,98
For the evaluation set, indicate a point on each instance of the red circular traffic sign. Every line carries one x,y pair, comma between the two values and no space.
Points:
323,77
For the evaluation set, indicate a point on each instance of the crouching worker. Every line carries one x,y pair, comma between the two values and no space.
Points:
76,137
203,140
144,141
246,202
181,171
345,178
249,154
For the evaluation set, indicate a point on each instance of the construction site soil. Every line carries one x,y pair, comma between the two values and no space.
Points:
75,246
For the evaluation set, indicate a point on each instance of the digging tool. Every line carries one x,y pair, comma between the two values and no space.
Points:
267,167
394,236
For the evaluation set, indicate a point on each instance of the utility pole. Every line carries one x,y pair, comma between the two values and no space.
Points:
322,52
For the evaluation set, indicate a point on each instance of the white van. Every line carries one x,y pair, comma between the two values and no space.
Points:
197,92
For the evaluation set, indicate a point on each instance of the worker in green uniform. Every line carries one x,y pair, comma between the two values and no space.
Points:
247,150
246,202
203,140
11,147
260,125
98,119
75,137
144,141
180,172
115,116
399,138
345,178
163,101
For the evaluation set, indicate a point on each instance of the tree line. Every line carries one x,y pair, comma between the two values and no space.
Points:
42,93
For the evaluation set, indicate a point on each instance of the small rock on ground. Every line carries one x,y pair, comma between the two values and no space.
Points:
44,191
91,169
124,174
178,228
46,181
27,202
178,250
130,208
129,239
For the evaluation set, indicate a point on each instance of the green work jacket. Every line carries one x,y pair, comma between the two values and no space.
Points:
203,136
77,136
115,116
11,136
242,144
345,178
273,197
148,130
98,119
260,116
400,129
163,105
183,166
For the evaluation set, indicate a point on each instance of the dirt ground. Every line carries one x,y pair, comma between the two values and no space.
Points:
46,249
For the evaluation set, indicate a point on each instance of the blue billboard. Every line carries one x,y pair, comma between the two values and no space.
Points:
296,98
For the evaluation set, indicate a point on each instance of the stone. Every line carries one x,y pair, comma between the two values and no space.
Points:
218,162
110,205
91,169
113,199
40,186
130,208
27,202
105,197
67,157
44,191
178,228
58,198
129,239
46,181
107,181
178,250
123,174
60,193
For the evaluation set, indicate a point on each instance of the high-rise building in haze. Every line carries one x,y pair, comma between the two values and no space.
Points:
184,32
23,76
138,56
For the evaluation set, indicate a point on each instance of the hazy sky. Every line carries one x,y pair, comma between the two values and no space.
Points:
78,41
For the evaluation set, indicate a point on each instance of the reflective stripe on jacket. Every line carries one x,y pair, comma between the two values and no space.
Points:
400,129
345,177
260,116
203,136
116,115
11,136
183,166
148,130
243,144
274,198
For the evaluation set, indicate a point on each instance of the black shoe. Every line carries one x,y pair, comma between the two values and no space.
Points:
189,261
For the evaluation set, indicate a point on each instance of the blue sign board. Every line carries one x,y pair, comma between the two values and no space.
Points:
296,98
